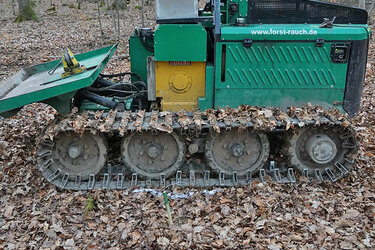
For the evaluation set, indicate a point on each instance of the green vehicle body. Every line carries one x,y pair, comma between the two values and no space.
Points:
272,64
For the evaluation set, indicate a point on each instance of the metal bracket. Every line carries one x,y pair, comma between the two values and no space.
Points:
178,178
351,161
192,177
206,177
318,175
162,180
331,175
120,180
343,170
54,175
272,165
262,174
64,180
44,154
48,143
305,173
78,181
291,176
249,176
45,165
348,145
106,181
134,180
91,183
276,175
148,183
235,178
221,178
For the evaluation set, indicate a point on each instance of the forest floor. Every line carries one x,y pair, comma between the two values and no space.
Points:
35,214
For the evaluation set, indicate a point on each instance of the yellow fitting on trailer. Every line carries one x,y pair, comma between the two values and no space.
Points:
70,64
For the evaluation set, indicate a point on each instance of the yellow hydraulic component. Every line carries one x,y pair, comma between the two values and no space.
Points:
70,64
179,84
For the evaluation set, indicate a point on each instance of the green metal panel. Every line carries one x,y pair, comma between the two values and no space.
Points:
295,32
280,65
35,84
207,101
279,97
138,57
278,74
180,42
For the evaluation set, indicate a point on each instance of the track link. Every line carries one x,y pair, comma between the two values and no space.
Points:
195,125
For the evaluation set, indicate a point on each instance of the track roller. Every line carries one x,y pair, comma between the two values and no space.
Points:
237,151
153,154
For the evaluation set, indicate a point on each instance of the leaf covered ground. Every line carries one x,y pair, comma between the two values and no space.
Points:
262,215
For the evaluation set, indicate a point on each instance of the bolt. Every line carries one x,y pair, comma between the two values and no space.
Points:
239,160
74,151
154,151
162,158
193,148
237,149
150,162
140,153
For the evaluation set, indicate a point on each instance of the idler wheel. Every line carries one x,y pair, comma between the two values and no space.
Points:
71,154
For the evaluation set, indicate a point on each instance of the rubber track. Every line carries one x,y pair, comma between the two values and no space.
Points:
122,123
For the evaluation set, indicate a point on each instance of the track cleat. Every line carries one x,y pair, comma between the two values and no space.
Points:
291,176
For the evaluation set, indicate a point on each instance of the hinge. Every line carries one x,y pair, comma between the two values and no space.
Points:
319,42
247,42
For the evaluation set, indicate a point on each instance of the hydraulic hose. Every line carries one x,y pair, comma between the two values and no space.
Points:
92,97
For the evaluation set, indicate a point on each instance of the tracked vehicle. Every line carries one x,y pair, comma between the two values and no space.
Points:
224,95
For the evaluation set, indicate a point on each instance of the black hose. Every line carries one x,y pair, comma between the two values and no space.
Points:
92,97
103,82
